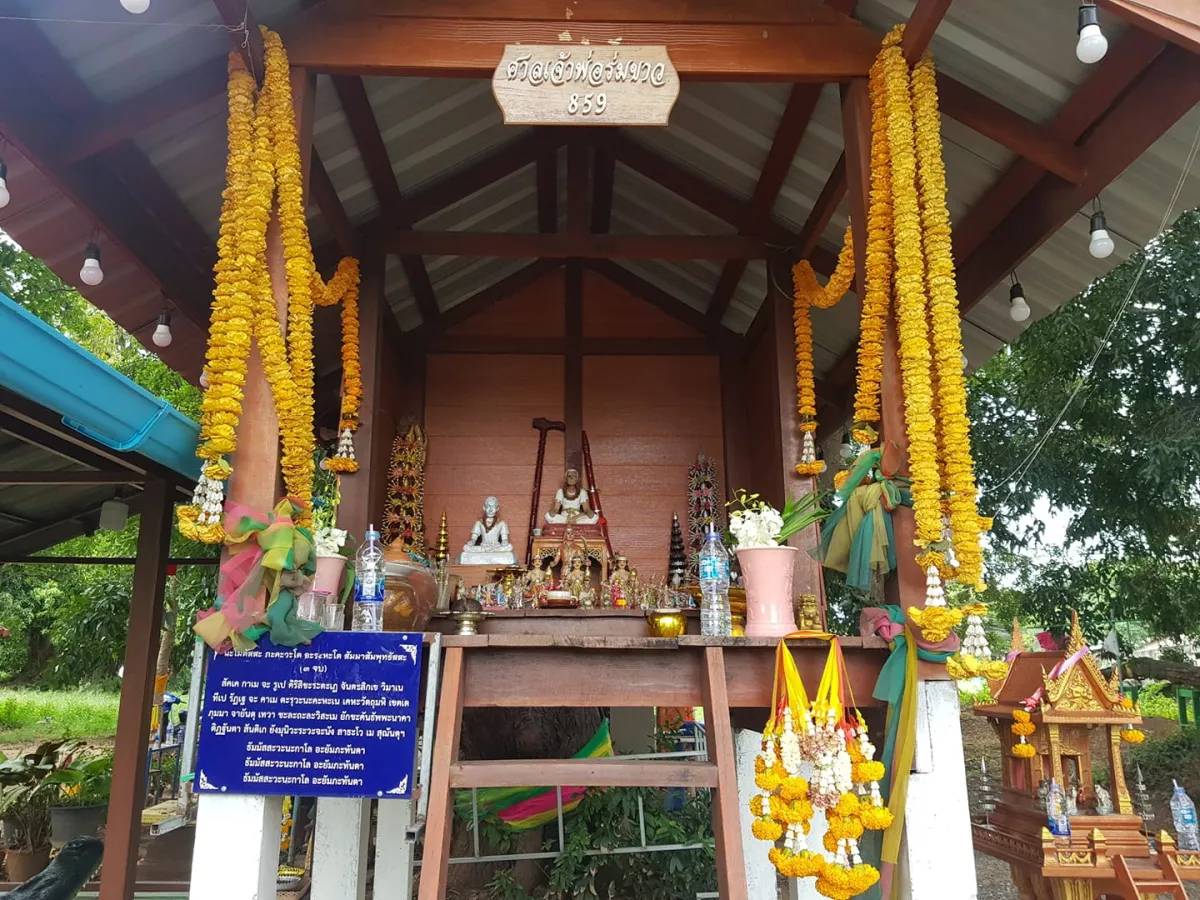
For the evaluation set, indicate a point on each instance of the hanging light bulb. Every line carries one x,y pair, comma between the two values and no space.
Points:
91,273
4,195
1018,309
965,362
137,7
162,331
113,515
204,378
846,450
1101,245
1092,43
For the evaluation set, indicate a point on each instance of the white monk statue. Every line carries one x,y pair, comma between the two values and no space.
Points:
489,544
571,503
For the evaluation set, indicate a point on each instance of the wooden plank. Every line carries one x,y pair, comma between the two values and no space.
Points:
439,820
326,196
580,245
767,12
517,346
603,175
655,296
573,365
733,424
382,45
822,212
123,834
111,476
421,287
578,176
856,136
582,773
1166,92
117,122
731,865
1009,129
922,23
483,299
1173,20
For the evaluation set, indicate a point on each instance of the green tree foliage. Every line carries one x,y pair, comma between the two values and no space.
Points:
1122,459
68,622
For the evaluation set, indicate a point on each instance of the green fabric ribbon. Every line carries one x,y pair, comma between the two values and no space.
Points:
857,537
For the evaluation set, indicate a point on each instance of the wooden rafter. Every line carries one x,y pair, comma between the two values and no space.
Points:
802,101
236,14
331,40
547,188
603,175
583,245
578,180
1174,20
356,105
922,23
325,194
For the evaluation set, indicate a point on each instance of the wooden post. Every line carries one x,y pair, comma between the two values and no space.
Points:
440,817
133,720
363,490
731,865
243,831
733,423
573,365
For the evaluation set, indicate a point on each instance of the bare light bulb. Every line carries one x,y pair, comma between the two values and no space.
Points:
1101,244
4,196
1092,43
137,7
1018,309
91,273
846,450
162,331
113,515
204,378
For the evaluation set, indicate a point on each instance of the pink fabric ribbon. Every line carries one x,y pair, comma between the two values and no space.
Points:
1064,666
875,620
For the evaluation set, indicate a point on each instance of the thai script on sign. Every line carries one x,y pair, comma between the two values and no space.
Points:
588,71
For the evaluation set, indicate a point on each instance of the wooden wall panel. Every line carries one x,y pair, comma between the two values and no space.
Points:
611,312
401,404
535,311
478,412
646,419
762,423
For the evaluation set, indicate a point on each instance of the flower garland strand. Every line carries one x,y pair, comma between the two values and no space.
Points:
1023,727
264,163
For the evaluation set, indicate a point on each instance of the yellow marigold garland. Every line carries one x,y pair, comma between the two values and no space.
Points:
945,328
807,292
264,162
1023,727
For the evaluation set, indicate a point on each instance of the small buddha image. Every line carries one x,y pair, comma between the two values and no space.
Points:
623,582
489,544
535,582
587,597
571,503
577,578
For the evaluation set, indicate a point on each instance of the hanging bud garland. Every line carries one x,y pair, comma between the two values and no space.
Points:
1023,727
263,165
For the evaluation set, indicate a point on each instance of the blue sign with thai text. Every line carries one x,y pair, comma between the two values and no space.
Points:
337,718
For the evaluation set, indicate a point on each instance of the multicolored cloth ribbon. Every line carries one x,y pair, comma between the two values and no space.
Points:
896,686
269,561
857,537
1063,666
524,808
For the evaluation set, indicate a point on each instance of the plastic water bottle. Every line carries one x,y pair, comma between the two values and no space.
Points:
715,617
368,584
1183,811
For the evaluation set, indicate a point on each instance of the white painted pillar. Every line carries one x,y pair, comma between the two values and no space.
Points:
340,851
760,874
394,851
937,858
236,852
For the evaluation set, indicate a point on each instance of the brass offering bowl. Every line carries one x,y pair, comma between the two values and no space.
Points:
665,623
468,620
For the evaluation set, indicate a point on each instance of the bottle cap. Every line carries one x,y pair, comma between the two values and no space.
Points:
372,533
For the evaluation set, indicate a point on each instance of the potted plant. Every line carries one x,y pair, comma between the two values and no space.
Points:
768,564
25,797
80,807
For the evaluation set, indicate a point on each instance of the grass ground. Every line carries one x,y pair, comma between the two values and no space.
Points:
31,716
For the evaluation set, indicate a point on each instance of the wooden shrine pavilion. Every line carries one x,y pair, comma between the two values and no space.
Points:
632,283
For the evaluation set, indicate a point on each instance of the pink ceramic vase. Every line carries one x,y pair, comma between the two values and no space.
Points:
768,573
329,574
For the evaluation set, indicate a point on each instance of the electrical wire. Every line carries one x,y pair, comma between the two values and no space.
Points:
1022,468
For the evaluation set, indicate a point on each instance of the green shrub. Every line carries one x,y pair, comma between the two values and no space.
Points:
1152,702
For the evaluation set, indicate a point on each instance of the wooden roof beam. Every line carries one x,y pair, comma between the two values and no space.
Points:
802,101
922,23
352,94
604,170
235,13
1172,20
338,40
656,296
321,189
547,188
583,245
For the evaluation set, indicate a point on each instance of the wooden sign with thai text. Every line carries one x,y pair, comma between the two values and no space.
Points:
572,84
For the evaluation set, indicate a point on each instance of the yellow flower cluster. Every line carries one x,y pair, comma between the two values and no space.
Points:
1133,736
804,864
966,666
954,435
1023,727
935,622
840,883
263,166
807,292
878,264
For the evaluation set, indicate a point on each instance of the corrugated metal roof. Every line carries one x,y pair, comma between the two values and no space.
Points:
1019,53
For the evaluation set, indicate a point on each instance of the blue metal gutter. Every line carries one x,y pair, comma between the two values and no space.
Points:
93,398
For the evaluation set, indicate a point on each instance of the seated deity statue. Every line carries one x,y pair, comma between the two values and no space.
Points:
489,544
571,503
577,578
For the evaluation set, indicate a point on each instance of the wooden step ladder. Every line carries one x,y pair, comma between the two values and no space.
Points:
468,679
1136,884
